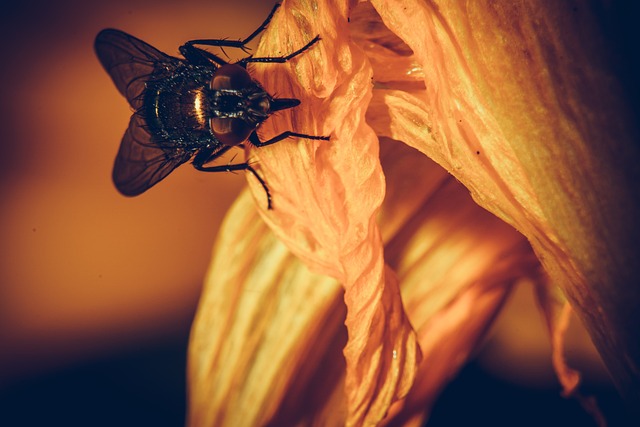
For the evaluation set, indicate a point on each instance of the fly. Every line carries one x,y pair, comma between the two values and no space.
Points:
196,108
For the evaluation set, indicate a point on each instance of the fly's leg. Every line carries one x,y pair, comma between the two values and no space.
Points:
240,44
280,59
198,56
255,140
238,167
207,155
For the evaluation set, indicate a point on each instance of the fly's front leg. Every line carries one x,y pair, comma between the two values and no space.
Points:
255,140
280,59
240,44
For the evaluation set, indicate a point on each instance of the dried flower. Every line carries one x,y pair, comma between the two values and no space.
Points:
493,93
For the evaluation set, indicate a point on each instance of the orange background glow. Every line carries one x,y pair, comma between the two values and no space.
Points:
84,269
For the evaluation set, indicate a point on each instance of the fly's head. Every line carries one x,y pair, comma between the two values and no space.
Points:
239,104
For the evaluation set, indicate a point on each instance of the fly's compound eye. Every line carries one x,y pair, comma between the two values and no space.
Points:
230,131
230,76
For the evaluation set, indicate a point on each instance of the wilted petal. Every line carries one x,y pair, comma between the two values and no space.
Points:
326,195
263,326
267,343
490,93
522,104
557,313
456,264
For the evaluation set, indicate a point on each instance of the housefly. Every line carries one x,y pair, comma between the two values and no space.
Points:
196,108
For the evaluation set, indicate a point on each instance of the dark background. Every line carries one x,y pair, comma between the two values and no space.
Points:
97,291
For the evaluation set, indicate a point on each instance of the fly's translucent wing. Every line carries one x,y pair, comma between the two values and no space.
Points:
141,163
131,62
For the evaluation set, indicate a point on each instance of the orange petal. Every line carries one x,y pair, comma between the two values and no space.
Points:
326,195
521,103
557,314
456,264
264,324
267,339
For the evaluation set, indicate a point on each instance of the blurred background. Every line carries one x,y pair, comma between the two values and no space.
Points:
97,291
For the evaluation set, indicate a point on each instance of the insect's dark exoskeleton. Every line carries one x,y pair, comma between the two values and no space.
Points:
196,108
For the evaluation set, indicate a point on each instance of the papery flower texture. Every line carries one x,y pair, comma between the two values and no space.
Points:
474,145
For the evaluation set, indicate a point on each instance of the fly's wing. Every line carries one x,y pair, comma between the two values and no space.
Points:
141,163
131,62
